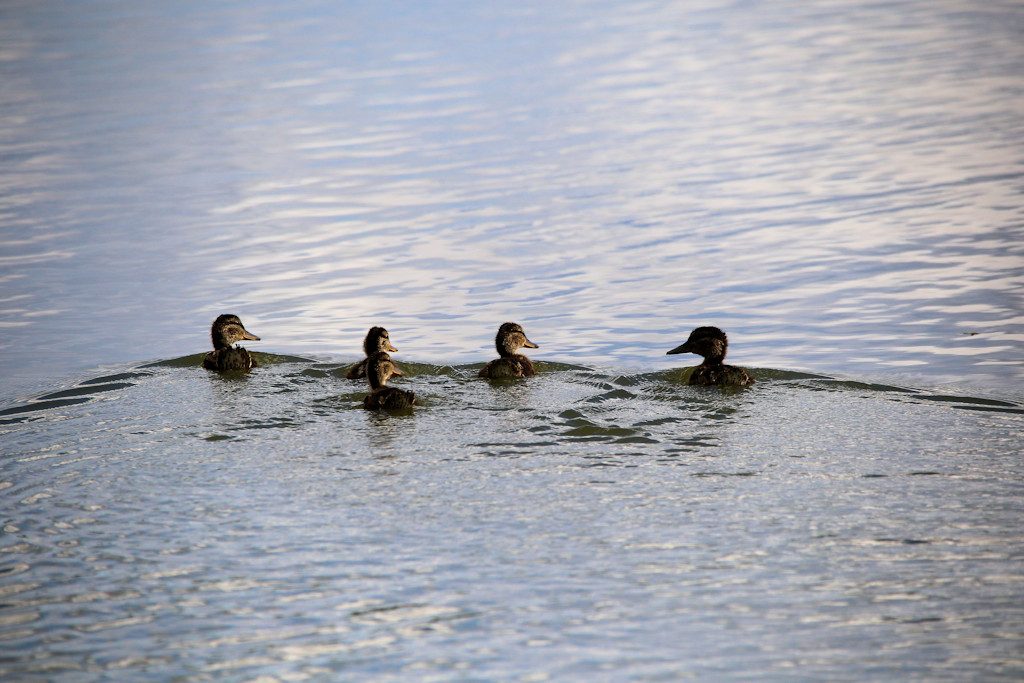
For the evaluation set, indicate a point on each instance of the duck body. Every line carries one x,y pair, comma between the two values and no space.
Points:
379,369
356,372
389,398
510,365
712,344
226,330
229,359
377,340
705,375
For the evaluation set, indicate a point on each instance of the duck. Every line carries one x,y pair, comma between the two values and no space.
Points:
510,338
711,343
377,340
379,369
226,330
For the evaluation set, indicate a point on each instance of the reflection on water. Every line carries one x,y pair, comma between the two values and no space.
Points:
180,523
838,187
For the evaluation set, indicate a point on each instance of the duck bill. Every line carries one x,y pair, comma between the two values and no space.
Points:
682,348
395,372
391,348
529,344
246,334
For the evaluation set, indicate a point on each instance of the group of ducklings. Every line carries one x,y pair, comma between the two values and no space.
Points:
227,330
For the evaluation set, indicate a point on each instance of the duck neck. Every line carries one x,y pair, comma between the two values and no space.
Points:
506,350
371,345
219,341
714,352
714,361
374,376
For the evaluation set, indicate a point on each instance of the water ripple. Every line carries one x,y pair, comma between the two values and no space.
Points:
838,187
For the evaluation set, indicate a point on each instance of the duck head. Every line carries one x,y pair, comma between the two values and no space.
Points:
377,339
227,329
709,342
511,338
380,368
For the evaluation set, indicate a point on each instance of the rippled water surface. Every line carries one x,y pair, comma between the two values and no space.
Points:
838,185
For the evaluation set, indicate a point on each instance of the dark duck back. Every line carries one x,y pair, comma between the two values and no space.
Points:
510,338
712,344
377,340
379,369
226,330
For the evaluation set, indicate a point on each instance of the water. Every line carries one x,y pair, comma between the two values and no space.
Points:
837,186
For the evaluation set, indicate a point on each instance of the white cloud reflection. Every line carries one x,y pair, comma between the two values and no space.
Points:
608,175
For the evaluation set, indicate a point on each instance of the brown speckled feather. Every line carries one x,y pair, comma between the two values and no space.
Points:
712,344
377,340
380,368
509,367
357,371
720,375
389,398
226,330
229,359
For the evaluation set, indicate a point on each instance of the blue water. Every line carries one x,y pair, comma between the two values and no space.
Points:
839,187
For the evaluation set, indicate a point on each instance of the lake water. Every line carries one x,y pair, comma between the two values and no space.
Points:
838,185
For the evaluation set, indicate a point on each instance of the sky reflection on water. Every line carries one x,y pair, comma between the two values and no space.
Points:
838,185
840,190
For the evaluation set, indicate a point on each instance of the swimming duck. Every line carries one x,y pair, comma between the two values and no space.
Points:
376,340
712,343
510,339
379,369
225,331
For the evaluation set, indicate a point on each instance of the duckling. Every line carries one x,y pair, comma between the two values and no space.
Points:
510,339
376,340
712,343
379,369
225,331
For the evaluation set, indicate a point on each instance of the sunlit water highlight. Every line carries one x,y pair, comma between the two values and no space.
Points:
838,186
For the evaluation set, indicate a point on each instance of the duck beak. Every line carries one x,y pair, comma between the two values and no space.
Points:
529,344
396,372
246,334
682,348
391,348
